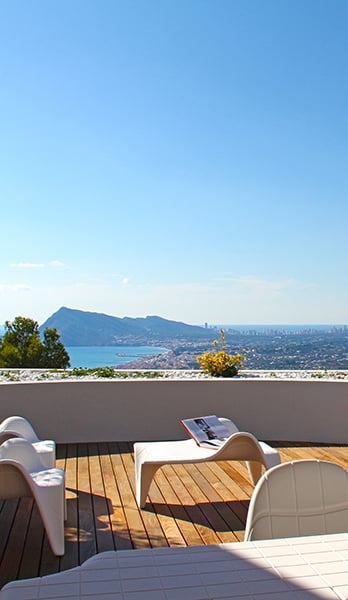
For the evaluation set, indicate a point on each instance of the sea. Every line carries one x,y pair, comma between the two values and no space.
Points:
109,356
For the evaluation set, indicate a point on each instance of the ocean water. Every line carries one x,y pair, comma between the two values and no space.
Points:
108,356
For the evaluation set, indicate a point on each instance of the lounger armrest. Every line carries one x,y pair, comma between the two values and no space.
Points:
22,452
18,427
248,447
238,434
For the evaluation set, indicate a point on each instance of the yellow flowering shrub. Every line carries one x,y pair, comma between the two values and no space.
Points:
220,363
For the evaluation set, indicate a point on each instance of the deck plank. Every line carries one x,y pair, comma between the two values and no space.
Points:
187,505
11,560
86,528
137,531
71,556
118,522
177,499
100,502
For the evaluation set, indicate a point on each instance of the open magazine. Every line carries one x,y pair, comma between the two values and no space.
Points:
206,431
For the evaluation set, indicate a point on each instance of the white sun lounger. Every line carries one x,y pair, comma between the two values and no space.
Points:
22,473
150,456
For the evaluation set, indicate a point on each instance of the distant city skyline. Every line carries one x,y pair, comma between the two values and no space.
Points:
184,159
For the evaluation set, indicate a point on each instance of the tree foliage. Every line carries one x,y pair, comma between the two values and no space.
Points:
22,347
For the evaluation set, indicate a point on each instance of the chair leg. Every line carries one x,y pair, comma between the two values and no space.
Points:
52,505
144,476
254,470
65,508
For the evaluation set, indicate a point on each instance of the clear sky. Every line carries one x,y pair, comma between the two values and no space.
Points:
184,158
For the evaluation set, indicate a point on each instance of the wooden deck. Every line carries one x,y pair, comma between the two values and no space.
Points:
189,505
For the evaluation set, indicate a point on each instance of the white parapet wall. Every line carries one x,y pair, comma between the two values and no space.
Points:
131,410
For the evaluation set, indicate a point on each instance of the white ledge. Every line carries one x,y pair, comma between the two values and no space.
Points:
42,375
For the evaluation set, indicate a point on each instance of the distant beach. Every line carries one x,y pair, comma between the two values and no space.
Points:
109,356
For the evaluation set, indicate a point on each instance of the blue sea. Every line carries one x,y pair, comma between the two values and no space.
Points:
108,356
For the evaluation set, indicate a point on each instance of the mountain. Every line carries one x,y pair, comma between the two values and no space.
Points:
80,328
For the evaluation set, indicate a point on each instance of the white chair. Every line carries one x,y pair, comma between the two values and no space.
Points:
23,474
304,497
150,456
18,427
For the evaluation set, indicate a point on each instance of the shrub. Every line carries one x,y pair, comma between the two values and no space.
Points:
107,372
220,363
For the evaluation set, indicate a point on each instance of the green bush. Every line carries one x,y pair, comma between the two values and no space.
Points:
107,372
220,363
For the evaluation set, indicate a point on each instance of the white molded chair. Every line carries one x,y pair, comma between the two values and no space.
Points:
150,456
19,427
22,473
304,497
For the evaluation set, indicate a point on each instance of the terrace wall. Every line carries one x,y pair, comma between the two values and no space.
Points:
289,410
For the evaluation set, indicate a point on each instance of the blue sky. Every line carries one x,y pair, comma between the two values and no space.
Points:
184,158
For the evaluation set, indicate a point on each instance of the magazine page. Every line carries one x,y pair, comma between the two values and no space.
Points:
206,431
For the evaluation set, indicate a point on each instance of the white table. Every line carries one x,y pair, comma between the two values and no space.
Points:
306,568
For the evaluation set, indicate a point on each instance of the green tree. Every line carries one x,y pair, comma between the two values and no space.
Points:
54,352
21,346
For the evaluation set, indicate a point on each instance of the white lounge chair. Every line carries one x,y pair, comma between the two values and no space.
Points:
150,456
304,497
23,474
19,427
